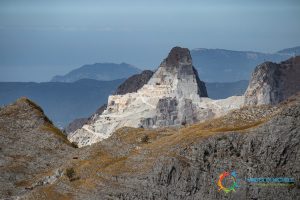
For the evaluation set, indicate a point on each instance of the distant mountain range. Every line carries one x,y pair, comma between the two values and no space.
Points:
62,102
220,65
213,65
99,71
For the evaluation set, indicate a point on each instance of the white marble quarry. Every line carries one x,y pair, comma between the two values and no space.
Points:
173,84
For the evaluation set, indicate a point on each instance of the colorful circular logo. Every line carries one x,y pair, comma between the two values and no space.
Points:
232,176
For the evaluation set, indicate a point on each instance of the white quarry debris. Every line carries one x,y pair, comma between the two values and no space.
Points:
170,98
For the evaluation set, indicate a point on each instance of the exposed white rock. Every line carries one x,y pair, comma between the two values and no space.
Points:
172,97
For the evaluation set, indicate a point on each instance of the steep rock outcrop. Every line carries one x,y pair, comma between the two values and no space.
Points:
174,84
272,83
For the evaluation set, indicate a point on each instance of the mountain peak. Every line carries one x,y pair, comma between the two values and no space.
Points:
178,55
178,72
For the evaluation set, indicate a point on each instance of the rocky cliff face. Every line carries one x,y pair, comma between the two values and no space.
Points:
272,83
174,84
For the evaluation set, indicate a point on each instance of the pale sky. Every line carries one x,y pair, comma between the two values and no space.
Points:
40,39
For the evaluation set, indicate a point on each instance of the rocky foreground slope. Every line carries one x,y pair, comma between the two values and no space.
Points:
168,163
30,148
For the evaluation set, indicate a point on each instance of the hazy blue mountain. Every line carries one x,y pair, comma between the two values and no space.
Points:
220,65
223,90
293,51
99,71
213,65
62,102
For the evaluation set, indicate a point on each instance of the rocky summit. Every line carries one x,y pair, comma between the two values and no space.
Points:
173,96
